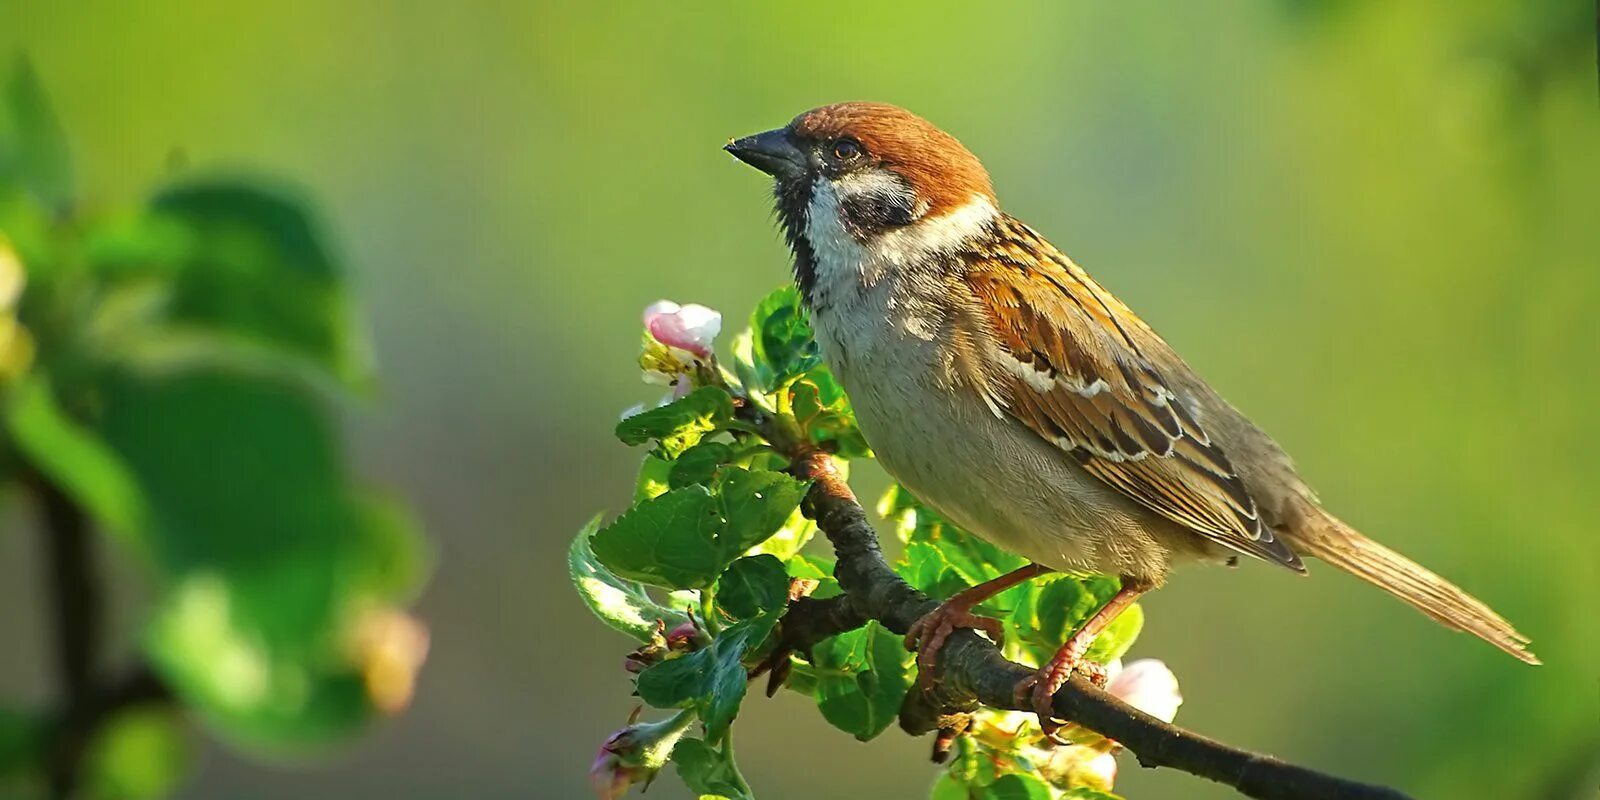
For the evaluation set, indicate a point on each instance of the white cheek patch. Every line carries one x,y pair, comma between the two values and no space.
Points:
879,189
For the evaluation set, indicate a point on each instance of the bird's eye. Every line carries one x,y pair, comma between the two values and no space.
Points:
846,150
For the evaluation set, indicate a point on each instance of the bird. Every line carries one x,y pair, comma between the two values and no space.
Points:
1011,393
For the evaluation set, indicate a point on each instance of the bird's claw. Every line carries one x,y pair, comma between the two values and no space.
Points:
1038,690
928,634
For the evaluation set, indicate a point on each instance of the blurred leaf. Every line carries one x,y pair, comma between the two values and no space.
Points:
970,557
705,771
752,585
33,146
1016,786
754,504
21,740
257,268
781,341
698,464
670,540
623,605
264,550
1085,793
140,754
862,677
679,424
925,568
73,457
1117,637
948,788
711,680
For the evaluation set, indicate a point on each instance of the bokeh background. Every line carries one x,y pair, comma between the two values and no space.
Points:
1375,226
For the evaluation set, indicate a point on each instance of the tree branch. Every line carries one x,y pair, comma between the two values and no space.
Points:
75,597
972,670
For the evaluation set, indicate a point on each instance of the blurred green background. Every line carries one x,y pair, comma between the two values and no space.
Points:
1374,226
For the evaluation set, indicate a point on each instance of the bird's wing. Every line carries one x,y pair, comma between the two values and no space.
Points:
1075,365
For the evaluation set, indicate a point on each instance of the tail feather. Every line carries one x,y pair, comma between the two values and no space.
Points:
1331,540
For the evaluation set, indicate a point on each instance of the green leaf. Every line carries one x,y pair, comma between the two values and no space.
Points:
654,477
681,423
705,771
671,540
924,567
623,605
817,568
33,146
1118,637
699,464
1085,793
73,457
793,535
823,412
264,552
711,680
1061,606
862,677
752,585
782,341
946,787
755,504
22,741
140,754
1016,786
257,269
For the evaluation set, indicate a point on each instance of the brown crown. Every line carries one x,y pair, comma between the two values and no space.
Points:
942,171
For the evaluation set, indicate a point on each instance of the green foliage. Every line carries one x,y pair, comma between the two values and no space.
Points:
862,678
681,423
172,370
711,681
753,585
715,521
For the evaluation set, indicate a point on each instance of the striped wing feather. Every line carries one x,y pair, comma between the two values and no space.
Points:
1069,365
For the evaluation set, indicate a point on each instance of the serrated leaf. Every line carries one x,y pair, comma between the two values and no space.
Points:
1016,786
699,464
753,585
681,423
793,535
1118,637
73,457
862,678
705,771
711,680
623,605
33,146
654,478
671,540
754,504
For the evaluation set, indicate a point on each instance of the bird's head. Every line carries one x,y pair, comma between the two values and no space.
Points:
867,173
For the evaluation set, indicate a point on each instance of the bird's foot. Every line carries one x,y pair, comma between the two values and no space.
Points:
928,634
1038,690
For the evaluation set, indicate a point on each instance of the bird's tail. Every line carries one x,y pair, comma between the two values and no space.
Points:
1335,542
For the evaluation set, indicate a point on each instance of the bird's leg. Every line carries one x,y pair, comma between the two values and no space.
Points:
927,634
1055,674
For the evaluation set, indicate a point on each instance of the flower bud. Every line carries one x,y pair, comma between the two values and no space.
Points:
636,753
691,328
1149,686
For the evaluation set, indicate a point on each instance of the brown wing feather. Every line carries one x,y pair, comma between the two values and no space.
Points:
1067,366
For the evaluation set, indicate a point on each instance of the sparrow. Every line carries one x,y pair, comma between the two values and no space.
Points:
1011,393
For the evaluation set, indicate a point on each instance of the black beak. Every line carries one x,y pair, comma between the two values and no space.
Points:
772,152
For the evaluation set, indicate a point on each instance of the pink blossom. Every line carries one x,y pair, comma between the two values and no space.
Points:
691,328
1147,685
